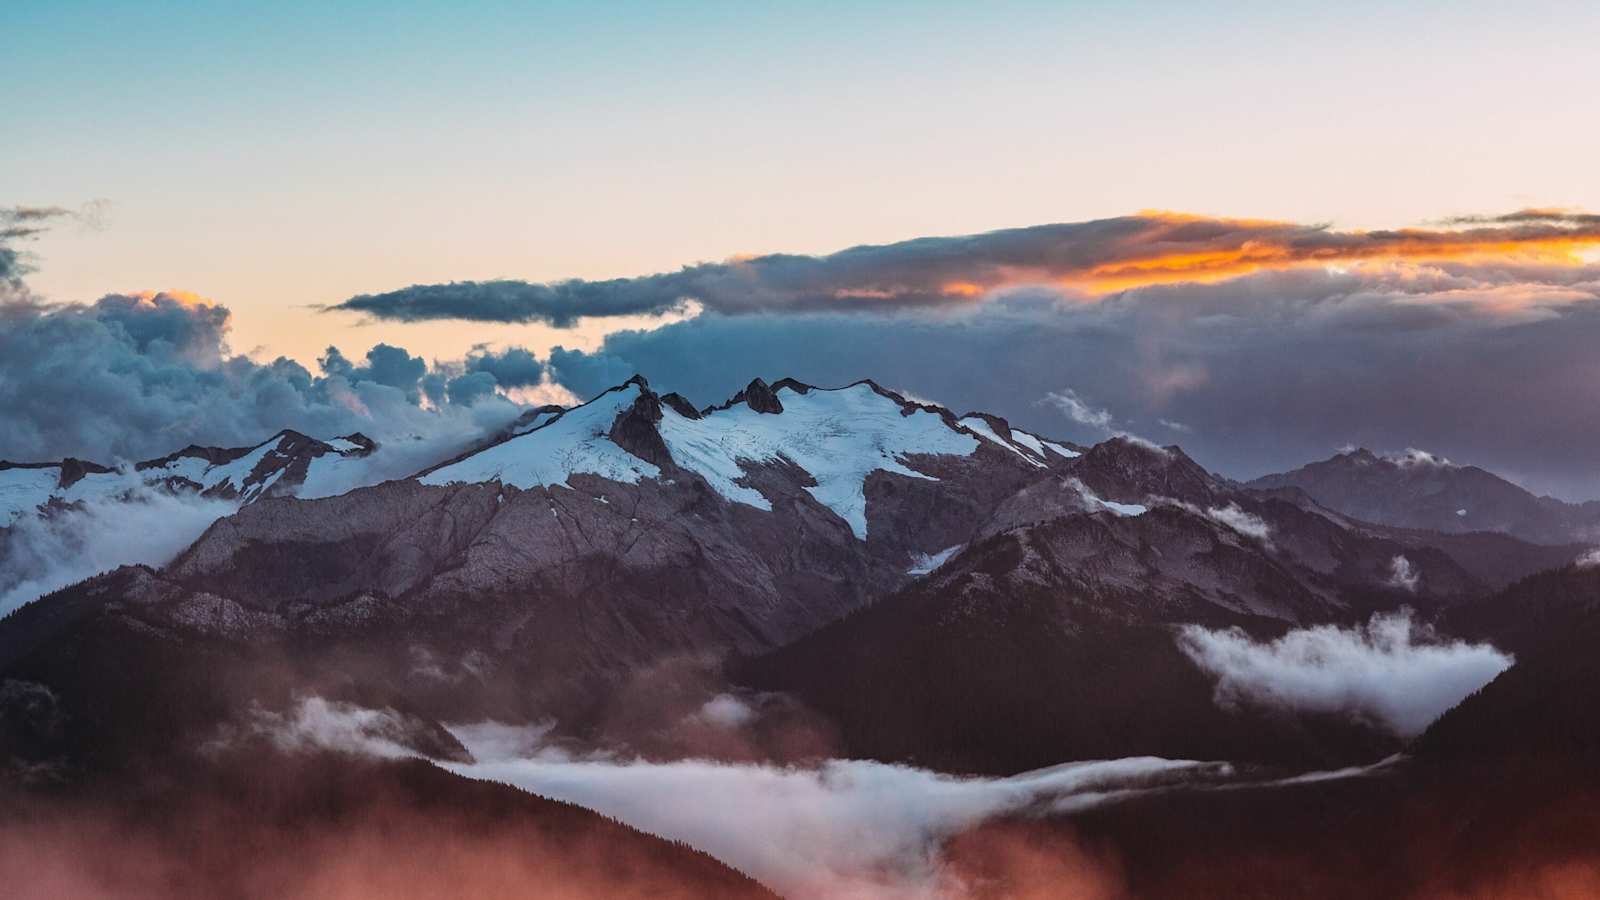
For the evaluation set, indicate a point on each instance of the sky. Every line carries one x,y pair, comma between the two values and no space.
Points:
282,159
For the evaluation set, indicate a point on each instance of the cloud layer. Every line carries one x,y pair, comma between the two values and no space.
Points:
1096,257
1389,672
135,376
1319,339
1265,371
833,828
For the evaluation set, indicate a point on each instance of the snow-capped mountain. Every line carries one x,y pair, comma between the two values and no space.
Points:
1422,490
836,437
645,525
287,464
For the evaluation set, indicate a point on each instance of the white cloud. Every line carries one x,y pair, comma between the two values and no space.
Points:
498,740
1092,502
317,724
46,553
726,711
1415,457
1592,558
1403,575
839,829
1232,516
1073,407
842,829
1388,672
1240,520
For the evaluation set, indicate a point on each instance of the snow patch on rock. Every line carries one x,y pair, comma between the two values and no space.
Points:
927,563
24,490
981,428
838,436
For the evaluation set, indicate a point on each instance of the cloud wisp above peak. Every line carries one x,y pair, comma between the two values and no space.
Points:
1082,258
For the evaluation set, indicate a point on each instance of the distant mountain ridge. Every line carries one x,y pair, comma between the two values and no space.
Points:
286,464
1419,490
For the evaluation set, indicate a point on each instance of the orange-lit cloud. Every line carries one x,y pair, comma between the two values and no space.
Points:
1087,258
187,299
1163,253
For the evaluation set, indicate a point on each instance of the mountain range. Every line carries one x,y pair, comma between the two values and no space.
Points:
1421,490
897,582
286,465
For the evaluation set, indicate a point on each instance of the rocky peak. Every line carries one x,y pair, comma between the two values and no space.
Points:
798,387
73,470
213,456
1360,456
635,427
293,443
681,405
365,445
757,395
761,398
1128,468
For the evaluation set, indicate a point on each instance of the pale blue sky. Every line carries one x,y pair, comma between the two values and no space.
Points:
277,155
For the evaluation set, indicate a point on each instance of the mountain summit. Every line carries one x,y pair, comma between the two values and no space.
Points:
1421,490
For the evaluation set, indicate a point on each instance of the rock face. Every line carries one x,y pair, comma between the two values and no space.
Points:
1051,635
1422,491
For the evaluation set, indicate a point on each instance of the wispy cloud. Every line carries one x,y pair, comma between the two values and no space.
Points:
1403,575
1073,407
835,828
142,524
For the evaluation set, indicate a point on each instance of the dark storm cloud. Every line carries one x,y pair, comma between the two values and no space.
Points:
1535,216
29,221
386,365
470,388
587,374
1491,365
21,223
514,367
953,272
